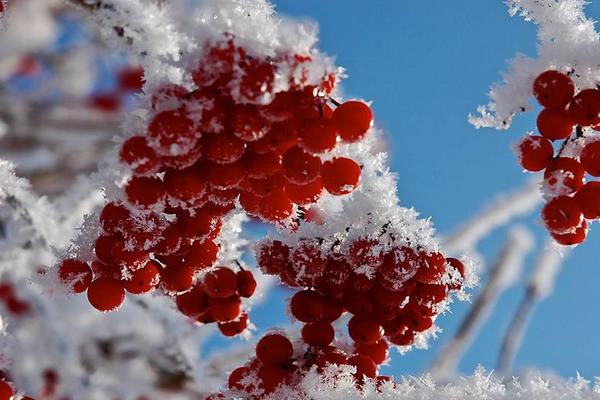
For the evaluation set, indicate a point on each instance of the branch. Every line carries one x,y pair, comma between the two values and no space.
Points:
502,275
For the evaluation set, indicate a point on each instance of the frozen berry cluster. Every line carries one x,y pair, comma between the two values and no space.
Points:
392,291
254,132
571,118
13,304
279,363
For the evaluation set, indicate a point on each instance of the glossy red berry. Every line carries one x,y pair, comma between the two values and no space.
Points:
555,124
534,152
113,216
457,267
75,274
353,119
276,206
247,123
319,334
553,89
6,391
144,279
246,283
144,192
432,267
377,351
365,366
193,303
340,175
220,282
223,148
225,309
318,136
106,294
177,278
364,329
202,254
562,214
307,306
585,107
588,199
274,349
299,167
590,158
233,328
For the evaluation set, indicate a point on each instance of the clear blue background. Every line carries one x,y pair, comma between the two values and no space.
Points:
426,65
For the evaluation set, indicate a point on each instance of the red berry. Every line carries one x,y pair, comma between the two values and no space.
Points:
534,152
353,119
257,79
276,206
193,303
365,253
177,278
300,167
562,214
573,238
251,203
590,158
225,309
247,123
588,199
305,194
106,294
564,175
555,124
261,165
236,327
144,279
307,306
223,148
173,131
246,283
220,282
131,79
274,349
358,303
6,392
429,294
364,329
403,339
224,176
553,89
272,377
457,281
377,351
236,377
136,152
185,185
340,175
319,334
202,254
364,366
76,274
585,107
432,267
318,136
398,266
113,216
273,257
144,192
415,320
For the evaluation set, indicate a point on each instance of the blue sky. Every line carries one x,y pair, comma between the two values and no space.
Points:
426,65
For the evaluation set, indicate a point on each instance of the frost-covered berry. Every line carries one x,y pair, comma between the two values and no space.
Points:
220,282
233,328
318,136
299,167
142,158
143,280
534,152
585,107
76,274
377,351
365,366
564,175
553,89
173,131
562,214
555,124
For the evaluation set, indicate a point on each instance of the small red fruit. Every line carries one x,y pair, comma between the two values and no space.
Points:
340,175
353,119
106,294
274,349
553,89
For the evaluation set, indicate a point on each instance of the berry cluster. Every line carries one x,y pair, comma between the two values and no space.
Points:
278,363
233,140
14,305
571,117
392,290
